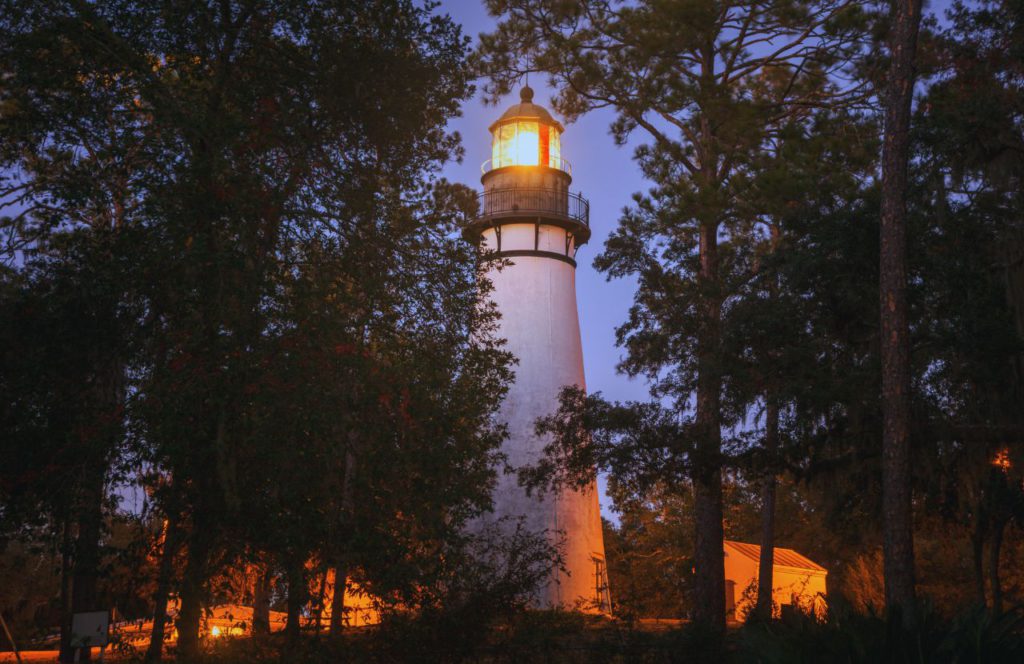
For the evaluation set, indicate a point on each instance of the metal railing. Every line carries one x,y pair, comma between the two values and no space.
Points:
557,163
526,201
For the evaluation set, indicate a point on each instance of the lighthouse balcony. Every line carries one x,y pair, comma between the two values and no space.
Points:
535,205
556,206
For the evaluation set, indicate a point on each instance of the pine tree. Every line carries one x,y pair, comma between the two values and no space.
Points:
898,540
689,75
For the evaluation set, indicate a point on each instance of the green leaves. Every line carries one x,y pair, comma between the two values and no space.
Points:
312,370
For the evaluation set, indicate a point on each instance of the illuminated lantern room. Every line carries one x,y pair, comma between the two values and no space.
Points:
526,186
526,135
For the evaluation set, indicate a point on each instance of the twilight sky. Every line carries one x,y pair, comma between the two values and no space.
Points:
602,172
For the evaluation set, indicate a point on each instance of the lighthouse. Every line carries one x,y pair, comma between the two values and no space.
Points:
529,228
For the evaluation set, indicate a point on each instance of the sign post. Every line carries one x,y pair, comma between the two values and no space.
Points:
10,638
90,629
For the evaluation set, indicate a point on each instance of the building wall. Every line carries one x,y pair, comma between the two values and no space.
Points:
515,177
534,236
805,586
537,299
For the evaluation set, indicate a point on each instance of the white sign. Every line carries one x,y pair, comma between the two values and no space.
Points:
89,629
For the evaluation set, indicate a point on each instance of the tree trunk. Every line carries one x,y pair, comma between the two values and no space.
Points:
897,524
709,556
86,558
337,623
298,594
65,654
766,564
319,608
978,547
993,567
163,590
99,430
347,508
261,602
192,589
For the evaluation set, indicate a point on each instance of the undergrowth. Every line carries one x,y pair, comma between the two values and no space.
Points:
557,637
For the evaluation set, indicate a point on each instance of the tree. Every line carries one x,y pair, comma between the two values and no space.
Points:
693,78
814,166
966,132
306,306
71,157
650,554
898,527
67,324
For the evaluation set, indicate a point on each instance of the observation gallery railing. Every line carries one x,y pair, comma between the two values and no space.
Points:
513,202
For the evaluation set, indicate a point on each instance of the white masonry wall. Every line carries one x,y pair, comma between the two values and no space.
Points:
537,299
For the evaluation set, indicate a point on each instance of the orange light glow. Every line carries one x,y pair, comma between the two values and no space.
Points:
525,143
1002,460
215,632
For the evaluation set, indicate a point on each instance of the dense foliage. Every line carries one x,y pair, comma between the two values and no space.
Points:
235,285
759,297
247,359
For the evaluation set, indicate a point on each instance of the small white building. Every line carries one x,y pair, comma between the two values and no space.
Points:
796,580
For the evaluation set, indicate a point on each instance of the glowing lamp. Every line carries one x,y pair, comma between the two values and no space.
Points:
526,135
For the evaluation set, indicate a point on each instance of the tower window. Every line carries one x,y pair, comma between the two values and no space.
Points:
554,149
525,143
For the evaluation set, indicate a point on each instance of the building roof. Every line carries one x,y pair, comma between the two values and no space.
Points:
784,557
526,110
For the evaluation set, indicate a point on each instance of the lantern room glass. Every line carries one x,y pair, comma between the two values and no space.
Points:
526,143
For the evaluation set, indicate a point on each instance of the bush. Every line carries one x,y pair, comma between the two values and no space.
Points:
850,637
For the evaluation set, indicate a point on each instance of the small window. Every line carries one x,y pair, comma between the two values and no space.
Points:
554,151
519,144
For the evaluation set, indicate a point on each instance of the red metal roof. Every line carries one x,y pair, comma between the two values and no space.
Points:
784,557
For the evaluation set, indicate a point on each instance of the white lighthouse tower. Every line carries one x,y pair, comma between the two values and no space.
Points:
529,218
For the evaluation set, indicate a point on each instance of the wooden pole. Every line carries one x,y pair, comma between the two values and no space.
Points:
10,638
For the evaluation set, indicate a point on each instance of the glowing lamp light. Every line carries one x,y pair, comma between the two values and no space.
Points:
526,135
526,143
526,151
215,632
